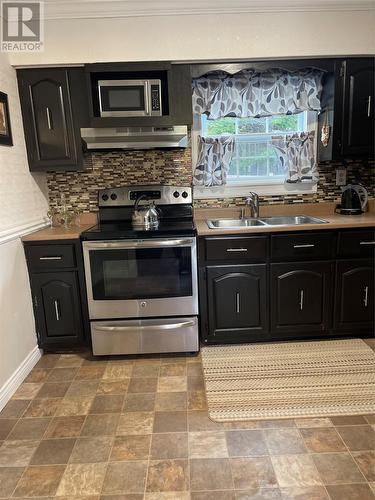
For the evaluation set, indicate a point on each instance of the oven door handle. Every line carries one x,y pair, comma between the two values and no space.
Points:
167,326
103,245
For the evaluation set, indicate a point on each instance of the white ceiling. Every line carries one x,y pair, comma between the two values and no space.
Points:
69,9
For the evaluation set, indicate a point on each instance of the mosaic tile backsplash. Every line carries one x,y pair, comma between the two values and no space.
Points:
119,168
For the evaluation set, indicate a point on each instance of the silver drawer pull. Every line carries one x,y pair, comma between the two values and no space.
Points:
170,326
369,106
238,303
54,257
367,243
307,245
236,249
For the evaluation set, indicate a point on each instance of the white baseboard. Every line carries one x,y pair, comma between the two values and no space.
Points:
18,376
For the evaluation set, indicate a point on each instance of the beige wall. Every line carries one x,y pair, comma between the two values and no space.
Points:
229,36
23,204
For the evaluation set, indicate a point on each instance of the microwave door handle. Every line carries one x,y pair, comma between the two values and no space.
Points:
166,326
147,97
102,245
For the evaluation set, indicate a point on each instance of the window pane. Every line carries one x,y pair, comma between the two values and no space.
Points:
283,123
221,126
251,125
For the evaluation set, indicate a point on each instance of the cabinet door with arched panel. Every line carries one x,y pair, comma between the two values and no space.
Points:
57,308
301,297
354,304
237,303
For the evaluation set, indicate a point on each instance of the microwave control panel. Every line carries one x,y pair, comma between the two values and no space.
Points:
155,98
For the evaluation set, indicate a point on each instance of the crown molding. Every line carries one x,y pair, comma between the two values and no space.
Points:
92,9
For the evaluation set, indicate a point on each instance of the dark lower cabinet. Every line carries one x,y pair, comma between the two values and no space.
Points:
354,305
300,296
58,294
58,308
310,284
237,302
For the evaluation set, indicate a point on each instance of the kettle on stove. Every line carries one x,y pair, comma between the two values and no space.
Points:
354,199
145,217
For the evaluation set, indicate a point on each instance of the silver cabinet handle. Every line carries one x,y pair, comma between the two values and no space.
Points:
49,119
367,243
237,302
307,245
125,328
52,257
133,244
301,294
369,106
236,249
57,310
365,299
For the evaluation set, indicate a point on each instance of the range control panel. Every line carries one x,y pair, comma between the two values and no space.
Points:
161,195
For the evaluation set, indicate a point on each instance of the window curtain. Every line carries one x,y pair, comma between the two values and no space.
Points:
296,154
253,94
214,157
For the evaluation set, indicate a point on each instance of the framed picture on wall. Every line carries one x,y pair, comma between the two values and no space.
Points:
5,130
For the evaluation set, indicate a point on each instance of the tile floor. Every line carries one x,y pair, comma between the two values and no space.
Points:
137,429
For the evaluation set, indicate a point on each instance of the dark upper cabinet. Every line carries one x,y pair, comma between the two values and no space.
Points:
348,107
53,109
358,105
354,301
57,308
300,297
237,302
176,92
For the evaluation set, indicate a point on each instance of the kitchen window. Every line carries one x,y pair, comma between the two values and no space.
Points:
254,158
255,130
255,161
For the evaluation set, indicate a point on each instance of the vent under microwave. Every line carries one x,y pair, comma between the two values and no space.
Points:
122,98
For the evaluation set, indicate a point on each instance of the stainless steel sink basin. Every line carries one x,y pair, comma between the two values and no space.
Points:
233,223
287,220
292,220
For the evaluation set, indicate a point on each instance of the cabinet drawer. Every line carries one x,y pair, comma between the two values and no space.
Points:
356,243
41,257
237,248
301,246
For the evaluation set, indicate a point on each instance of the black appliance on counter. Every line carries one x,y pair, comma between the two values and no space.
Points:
353,200
142,285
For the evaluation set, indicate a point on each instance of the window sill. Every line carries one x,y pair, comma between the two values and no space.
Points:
233,190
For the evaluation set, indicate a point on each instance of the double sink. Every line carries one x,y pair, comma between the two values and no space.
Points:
288,220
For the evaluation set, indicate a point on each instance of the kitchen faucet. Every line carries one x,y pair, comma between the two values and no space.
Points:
251,201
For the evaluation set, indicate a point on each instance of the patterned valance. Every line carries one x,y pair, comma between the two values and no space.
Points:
253,94
296,154
214,157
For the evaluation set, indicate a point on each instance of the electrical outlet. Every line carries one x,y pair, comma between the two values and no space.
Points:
340,176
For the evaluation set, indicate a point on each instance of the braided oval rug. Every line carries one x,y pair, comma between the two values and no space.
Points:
289,380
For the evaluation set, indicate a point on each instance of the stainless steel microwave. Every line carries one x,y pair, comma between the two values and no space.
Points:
130,98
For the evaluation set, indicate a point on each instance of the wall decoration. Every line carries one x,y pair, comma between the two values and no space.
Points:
326,131
5,130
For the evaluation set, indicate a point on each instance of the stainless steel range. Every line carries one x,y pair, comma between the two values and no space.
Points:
142,281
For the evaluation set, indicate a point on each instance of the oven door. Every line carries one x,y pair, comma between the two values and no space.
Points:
141,278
